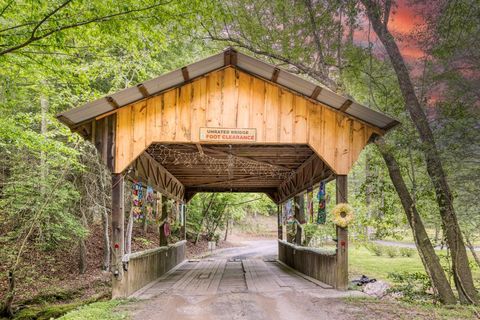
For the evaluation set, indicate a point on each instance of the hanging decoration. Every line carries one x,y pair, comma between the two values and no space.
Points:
310,204
166,155
149,203
137,200
322,208
342,215
289,212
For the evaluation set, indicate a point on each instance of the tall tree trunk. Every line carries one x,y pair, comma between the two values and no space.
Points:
128,236
226,230
472,250
425,248
43,160
106,239
204,216
368,198
6,307
460,266
82,248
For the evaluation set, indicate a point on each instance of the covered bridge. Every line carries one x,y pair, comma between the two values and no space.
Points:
228,123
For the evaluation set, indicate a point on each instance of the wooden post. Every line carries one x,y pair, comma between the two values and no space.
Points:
183,230
342,237
163,219
300,217
118,241
279,222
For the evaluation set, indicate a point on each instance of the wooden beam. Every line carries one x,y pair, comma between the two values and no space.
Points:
245,158
342,237
316,92
245,178
311,172
275,74
279,222
391,125
346,105
146,167
112,102
230,57
186,76
199,148
143,90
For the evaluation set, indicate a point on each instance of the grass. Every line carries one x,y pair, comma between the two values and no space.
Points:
370,308
104,310
361,261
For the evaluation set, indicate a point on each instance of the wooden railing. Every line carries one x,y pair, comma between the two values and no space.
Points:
146,266
315,263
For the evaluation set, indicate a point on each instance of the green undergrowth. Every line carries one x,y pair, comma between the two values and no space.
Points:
48,310
378,309
105,310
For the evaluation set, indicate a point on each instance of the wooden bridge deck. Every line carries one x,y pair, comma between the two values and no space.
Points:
217,276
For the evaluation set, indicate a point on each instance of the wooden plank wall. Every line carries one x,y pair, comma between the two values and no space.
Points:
147,266
231,98
322,267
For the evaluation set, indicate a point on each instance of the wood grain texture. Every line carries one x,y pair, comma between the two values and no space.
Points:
231,98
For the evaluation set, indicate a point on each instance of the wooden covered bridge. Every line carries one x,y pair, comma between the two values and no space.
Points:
228,123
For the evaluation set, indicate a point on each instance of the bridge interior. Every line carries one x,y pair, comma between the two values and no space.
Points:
277,170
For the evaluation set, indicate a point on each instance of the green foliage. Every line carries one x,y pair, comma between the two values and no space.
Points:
391,251
407,252
98,310
375,248
412,285
209,212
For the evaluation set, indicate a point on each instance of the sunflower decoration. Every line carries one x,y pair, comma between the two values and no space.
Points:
342,215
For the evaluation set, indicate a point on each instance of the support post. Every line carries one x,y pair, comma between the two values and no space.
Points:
279,222
342,236
300,217
163,219
183,207
118,241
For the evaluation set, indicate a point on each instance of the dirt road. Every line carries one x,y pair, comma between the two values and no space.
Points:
240,283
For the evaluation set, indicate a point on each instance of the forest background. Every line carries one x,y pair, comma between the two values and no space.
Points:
54,55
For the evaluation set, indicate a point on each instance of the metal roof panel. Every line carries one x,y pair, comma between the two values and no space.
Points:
202,67
206,65
255,66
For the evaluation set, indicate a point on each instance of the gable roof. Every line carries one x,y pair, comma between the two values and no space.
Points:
229,57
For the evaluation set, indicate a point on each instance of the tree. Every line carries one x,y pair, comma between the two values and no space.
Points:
379,17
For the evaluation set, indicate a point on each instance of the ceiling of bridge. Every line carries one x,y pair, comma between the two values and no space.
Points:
235,167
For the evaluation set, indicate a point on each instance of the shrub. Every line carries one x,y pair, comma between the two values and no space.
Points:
374,248
392,252
412,285
407,252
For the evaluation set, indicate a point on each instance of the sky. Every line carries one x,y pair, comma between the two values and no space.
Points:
403,21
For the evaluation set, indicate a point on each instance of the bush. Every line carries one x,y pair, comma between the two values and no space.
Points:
392,252
412,285
376,249
407,252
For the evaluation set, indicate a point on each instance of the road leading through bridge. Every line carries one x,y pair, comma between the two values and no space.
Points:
239,283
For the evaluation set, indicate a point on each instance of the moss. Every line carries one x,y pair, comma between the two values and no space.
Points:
46,312
99,310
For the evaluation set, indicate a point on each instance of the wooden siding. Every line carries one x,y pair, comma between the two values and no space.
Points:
320,266
231,98
146,266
